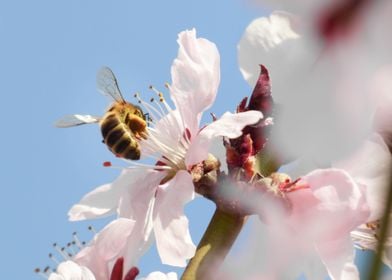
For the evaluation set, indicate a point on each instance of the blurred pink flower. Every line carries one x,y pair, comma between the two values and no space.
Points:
154,197
312,225
329,93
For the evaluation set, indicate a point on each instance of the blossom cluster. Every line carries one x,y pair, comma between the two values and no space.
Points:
316,113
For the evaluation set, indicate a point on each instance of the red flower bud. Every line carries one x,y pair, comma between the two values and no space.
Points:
240,152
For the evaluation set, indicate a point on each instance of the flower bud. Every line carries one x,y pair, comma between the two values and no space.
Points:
241,151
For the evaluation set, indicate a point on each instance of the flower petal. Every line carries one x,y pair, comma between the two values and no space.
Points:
106,246
137,203
229,125
333,193
338,257
195,77
140,239
169,131
370,166
274,42
70,270
102,201
157,275
171,230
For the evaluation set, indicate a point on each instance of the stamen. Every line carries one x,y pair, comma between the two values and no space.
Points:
77,241
172,155
54,259
161,98
47,270
61,251
40,273
150,109
214,117
159,106
92,229
69,245
107,164
184,142
141,165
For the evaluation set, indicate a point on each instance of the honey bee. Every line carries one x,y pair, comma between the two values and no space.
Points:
123,125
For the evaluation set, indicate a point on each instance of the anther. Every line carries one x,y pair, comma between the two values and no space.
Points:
39,272
160,94
90,228
47,269
60,251
76,240
69,245
107,164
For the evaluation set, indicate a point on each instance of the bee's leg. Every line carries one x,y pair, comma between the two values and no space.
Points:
137,125
147,117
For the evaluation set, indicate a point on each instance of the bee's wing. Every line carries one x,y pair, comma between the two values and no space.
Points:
74,120
107,84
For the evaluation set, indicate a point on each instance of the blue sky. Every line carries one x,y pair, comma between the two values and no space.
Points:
50,53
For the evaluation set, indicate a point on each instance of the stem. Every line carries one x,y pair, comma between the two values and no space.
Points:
214,246
383,235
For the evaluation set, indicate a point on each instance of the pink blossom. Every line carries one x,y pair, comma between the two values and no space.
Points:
70,270
154,197
312,225
337,85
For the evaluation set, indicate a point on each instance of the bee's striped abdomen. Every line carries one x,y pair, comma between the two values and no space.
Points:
118,137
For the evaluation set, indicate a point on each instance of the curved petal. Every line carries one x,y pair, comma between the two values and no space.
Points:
195,77
139,241
370,166
137,197
338,257
104,200
138,203
171,230
70,270
275,42
106,246
229,125
333,193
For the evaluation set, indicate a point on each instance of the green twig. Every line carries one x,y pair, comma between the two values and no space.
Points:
214,246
